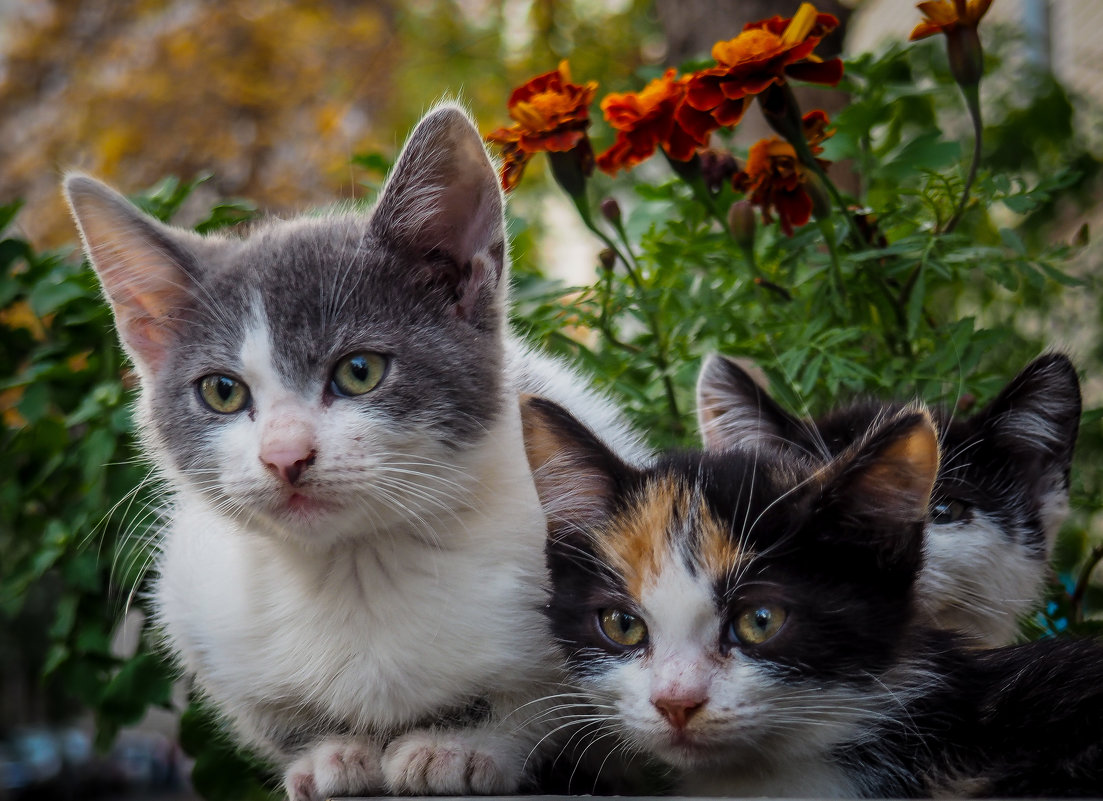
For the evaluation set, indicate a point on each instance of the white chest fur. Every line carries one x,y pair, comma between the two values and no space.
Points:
372,634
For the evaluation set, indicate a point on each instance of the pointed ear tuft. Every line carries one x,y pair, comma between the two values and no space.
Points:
144,267
574,473
442,202
1038,412
896,469
875,495
734,410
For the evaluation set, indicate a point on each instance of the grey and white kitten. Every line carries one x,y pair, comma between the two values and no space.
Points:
351,539
748,618
999,499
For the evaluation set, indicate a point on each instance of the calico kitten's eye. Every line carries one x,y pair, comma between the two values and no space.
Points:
223,394
358,373
622,628
758,624
948,511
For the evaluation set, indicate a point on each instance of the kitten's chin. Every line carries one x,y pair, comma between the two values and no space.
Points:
685,749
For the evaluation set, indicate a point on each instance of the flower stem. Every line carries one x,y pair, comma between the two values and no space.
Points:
690,172
972,101
828,231
1077,600
660,357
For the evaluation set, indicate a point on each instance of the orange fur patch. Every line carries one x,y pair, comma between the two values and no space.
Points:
640,541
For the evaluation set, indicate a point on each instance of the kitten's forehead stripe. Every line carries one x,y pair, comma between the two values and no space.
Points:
670,520
718,551
638,540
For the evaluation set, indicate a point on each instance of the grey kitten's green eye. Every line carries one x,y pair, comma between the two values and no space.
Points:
358,373
758,624
622,628
223,394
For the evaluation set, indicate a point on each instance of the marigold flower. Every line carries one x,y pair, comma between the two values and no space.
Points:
958,20
648,119
776,181
943,16
550,113
765,53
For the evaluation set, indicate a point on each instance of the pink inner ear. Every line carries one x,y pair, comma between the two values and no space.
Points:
135,258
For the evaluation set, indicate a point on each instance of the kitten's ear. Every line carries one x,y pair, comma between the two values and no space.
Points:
144,268
879,489
1037,414
442,200
575,474
734,410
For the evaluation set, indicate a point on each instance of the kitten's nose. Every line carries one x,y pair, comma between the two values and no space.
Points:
287,466
287,448
678,711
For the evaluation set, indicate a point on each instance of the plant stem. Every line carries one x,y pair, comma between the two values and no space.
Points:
828,232
660,359
690,172
1076,604
972,102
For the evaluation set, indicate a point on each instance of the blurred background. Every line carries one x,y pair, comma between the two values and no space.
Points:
290,104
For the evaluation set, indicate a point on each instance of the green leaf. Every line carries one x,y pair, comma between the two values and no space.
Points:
48,296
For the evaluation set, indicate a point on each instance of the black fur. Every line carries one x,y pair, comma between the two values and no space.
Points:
1017,721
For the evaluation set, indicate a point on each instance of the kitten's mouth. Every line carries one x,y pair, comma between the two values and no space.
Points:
300,505
684,747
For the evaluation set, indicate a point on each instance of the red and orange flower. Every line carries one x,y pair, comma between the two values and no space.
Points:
551,114
942,16
765,53
775,180
647,120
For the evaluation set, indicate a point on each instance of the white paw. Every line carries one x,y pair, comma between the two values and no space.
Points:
450,763
335,767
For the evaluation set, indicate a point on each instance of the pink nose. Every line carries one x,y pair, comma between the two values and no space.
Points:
678,711
288,464
287,447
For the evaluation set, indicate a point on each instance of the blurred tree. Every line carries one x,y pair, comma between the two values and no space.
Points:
269,97
272,98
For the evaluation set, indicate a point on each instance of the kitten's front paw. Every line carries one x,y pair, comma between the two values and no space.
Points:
450,763
336,767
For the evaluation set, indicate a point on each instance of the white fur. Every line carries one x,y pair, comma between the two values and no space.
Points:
754,735
369,623
537,373
381,609
975,582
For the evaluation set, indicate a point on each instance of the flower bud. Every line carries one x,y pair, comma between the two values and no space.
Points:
607,258
571,168
966,54
717,168
741,223
610,210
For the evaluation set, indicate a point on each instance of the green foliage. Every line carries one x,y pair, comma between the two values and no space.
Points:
76,499
885,301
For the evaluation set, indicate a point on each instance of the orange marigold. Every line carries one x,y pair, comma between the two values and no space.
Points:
648,119
774,179
550,114
942,16
765,53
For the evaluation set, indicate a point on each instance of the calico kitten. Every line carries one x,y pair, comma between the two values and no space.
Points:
999,499
351,537
747,617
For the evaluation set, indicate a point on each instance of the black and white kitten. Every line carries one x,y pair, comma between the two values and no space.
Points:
999,499
351,537
747,617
